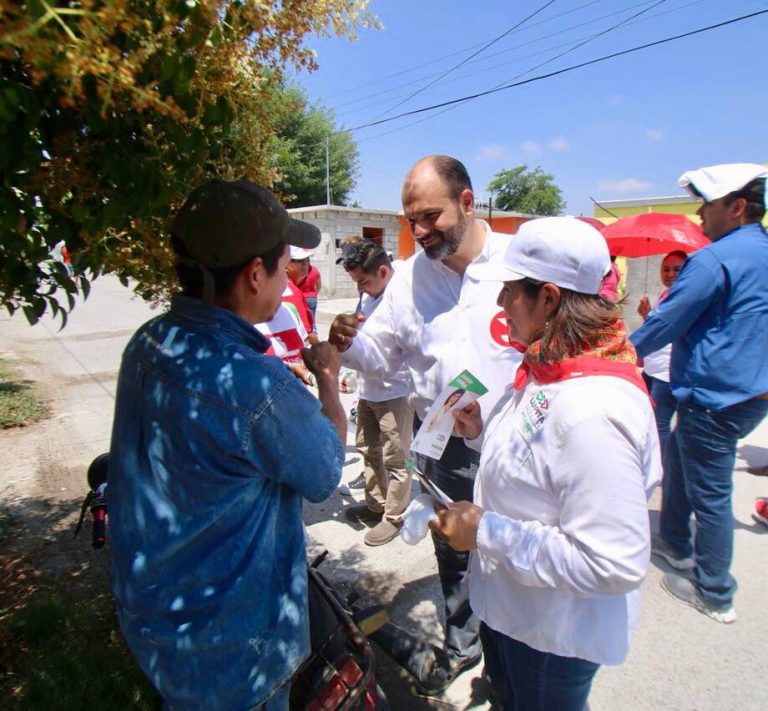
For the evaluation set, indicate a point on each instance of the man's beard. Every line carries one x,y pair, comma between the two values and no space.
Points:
450,240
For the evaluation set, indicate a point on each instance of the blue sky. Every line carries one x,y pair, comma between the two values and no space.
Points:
624,128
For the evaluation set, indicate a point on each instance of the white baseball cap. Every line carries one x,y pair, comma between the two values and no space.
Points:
559,250
301,253
717,181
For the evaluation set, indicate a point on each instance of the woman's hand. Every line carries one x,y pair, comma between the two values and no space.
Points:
457,525
469,421
644,307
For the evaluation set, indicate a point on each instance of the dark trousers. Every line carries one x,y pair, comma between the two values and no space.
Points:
524,679
455,474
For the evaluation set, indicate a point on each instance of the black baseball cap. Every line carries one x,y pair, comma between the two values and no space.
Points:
224,223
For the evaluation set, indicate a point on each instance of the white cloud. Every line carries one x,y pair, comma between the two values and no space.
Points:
655,134
531,148
559,144
491,151
628,185
614,100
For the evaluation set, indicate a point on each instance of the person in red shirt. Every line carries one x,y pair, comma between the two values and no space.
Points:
306,277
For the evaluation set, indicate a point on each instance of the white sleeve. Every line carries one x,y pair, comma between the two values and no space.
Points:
601,544
375,351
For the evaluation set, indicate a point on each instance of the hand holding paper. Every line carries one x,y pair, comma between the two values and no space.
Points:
457,525
469,422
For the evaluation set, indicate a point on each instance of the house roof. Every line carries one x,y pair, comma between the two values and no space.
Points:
635,202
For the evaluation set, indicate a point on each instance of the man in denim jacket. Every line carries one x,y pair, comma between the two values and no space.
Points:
214,446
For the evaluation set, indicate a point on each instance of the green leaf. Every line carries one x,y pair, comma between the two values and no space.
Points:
30,314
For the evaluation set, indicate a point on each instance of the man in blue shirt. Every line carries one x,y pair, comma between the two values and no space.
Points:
214,446
716,316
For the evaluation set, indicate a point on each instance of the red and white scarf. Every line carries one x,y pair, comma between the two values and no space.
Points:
613,354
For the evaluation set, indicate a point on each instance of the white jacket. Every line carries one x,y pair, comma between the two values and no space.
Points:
565,474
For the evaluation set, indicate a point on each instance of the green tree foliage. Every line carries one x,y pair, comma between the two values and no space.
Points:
301,155
111,111
530,191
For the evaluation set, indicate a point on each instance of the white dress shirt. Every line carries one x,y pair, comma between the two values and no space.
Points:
437,324
376,388
565,474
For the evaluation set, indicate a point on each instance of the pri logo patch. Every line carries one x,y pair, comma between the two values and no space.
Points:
499,329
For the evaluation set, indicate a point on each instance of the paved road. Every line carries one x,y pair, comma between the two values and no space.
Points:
680,659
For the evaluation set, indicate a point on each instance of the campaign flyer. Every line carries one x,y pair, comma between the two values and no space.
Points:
432,437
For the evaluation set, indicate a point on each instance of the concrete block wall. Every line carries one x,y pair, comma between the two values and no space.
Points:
338,224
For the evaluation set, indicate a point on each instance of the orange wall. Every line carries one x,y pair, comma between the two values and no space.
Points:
406,246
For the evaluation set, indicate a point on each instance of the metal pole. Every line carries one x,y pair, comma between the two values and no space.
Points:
647,265
490,209
327,170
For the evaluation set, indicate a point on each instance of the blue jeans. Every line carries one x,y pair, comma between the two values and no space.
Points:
529,680
698,478
664,405
455,474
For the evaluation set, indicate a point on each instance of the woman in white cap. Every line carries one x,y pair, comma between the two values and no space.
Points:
306,277
559,529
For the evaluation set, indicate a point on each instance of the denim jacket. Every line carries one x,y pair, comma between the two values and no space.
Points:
214,445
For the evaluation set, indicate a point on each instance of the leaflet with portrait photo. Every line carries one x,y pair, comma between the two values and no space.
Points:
435,431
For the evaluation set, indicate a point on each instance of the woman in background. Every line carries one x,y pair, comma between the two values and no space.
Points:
656,364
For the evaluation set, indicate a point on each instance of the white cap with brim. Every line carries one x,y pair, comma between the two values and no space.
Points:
559,250
301,253
717,181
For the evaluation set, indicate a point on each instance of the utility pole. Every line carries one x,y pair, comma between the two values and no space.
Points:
490,209
327,170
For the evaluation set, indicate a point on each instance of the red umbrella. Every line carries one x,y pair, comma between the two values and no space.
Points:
653,233
592,221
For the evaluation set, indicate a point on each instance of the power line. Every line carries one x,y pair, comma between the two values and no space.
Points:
587,41
471,56
551,59
569,43
452,54
496,54
549,75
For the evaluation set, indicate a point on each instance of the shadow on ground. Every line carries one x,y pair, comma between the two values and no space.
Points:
753,456
41,530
